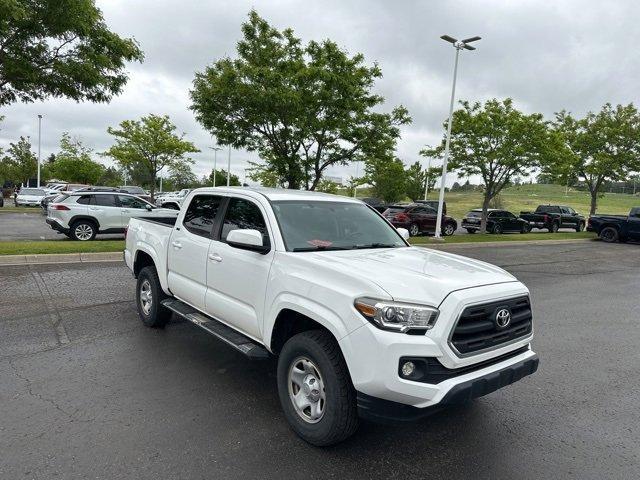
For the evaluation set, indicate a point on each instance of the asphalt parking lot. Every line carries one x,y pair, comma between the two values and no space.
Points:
87,392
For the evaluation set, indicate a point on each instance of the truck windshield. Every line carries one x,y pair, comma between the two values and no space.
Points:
317,225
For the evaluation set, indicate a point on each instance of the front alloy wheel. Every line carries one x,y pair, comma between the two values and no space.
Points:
448,230
414,230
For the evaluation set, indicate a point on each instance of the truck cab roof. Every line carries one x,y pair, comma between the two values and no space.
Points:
278,194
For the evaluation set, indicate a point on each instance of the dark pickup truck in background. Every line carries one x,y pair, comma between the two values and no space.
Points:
554,217
613,228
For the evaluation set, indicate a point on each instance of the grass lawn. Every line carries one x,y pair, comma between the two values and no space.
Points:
60,246
514,237
12,209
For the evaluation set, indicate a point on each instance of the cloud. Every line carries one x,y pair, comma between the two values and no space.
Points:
548,56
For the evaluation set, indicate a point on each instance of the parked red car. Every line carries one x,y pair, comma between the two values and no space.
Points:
419,218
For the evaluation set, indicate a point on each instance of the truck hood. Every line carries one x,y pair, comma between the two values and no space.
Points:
412,274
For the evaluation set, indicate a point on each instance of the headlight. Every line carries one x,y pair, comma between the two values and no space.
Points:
395,316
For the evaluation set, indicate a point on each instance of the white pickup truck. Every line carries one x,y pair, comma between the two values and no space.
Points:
364,324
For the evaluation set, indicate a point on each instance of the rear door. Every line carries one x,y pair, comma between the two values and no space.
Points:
237,279
511,221
633,223
105,210
188,249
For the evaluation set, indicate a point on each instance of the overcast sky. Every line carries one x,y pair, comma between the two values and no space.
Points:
546,55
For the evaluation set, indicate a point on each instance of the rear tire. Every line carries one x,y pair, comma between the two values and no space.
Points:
526,228
326,415
497,229
414,230
83,230
149,294
609,235
471,230
580,227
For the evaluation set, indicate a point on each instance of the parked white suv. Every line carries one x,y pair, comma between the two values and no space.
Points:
82,215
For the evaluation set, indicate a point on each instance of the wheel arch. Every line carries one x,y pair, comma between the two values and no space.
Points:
89,218
144,257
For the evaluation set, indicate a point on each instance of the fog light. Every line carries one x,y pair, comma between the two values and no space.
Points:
408,368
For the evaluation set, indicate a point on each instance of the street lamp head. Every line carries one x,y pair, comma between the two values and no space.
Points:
39,116
472,39
449,39
468,47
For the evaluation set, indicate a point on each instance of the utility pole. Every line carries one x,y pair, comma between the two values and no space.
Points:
458,45
426,183
39,135
215,149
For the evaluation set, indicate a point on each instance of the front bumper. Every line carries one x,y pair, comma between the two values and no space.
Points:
376,409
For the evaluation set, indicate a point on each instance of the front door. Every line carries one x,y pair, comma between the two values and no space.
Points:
188,249
237,279
131,207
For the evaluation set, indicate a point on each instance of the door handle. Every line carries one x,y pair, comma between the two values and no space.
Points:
124,210
176,245
214,257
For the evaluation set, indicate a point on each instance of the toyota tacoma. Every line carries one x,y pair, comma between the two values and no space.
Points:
363,324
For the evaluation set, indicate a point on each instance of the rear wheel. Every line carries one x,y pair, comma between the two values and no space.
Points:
580,227
526,228
609,234
149,294
497,229
315,389
471,230
414,230
83,230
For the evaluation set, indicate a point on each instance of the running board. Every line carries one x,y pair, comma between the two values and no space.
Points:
240,342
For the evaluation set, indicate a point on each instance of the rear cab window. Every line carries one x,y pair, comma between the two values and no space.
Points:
201,214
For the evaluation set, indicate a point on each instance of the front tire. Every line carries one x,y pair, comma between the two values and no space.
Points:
149,294
471,230
609,235
580,227
449,229
414,230
554,227
526,228
497,229
315,389
83,230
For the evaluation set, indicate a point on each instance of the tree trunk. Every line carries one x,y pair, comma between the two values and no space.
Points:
485,207
594,202
152,189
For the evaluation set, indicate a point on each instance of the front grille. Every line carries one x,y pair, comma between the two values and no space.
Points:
477,328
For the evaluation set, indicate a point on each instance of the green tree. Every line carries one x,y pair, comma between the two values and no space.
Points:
303,108
19,164
497,142
265,176
111,177
74,164
60,49
387,176
327,186
181,176
221,179
148,145
602,147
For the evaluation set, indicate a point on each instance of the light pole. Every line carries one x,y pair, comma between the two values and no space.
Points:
458,45
39,135
215,162
229,168
426,183
355,182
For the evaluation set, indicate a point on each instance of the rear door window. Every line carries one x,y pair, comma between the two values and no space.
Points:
201,214
131,202
105,200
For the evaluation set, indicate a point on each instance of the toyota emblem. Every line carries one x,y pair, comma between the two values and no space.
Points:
503,318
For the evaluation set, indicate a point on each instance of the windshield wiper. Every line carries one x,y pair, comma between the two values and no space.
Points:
318,247
376,245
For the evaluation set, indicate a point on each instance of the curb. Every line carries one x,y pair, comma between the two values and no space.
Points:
505,244
56,258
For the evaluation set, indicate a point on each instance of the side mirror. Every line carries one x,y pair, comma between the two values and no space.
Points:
247,239
404,233
148,207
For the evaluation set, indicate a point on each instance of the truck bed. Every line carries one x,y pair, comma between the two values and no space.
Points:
165,221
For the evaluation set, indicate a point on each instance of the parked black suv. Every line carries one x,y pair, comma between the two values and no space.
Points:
498,221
